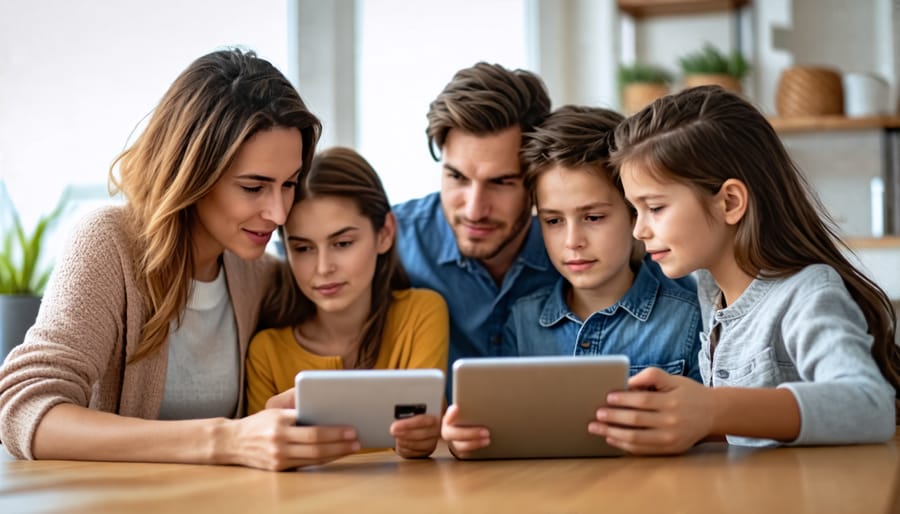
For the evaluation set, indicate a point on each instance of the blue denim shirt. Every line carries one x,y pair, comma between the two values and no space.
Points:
656,323
478,306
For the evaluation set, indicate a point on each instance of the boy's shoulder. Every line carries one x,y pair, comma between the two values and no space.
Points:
682,288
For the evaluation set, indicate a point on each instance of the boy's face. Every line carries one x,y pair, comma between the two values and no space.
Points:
587,229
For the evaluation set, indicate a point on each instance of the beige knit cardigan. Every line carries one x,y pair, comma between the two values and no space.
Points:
89,324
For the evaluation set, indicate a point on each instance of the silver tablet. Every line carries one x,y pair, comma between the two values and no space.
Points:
368,400
537,407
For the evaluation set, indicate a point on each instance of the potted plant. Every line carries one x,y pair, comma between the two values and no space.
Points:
22,279
711,66
640,84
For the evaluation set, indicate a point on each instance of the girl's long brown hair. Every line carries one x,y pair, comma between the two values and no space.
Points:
218,102
341,172
703,136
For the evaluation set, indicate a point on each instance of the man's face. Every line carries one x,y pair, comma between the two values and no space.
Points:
482,193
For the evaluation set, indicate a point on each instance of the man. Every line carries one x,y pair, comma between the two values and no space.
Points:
476,241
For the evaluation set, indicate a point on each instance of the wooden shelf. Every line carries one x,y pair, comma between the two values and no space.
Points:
858,243
832,123
647,8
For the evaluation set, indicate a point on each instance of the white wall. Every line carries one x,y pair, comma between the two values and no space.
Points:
77,77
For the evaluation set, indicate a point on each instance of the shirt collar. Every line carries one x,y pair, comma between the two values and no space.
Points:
637,301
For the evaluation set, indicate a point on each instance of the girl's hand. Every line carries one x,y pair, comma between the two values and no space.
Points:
270,440
416,436
463,439
282,400
659,414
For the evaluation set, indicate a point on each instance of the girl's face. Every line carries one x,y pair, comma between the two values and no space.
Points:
332,249
587,227
251,199
678,232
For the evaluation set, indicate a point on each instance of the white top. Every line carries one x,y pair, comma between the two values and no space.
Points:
203,374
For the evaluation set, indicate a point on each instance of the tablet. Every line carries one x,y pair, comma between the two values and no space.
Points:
537,407
368,400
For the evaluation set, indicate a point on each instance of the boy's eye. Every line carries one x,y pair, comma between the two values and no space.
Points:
551,221
594,217
289,185
302,248
343,244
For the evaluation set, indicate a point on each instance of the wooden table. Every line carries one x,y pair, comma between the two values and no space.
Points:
712,477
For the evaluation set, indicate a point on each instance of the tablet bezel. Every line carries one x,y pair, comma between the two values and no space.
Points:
365,399
537,407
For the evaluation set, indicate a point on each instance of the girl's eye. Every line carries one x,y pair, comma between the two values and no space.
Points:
551,221
301,249
254,189
655,209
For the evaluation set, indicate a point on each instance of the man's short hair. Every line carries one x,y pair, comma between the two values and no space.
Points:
486,99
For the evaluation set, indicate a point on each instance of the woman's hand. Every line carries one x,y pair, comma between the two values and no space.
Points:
270,440
416,436
659,414
463,439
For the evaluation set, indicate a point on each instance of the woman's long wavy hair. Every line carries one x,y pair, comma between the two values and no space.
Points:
342,173
218,102
704,136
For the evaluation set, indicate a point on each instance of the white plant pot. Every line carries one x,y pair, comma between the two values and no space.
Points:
865,95
17,314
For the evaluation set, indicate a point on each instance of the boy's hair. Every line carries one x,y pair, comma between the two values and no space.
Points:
573,137
704,136
486,99
342,173
220,101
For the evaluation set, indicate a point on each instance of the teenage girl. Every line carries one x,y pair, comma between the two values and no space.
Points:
344,301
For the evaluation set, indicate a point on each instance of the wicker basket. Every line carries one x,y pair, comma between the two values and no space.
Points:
809,91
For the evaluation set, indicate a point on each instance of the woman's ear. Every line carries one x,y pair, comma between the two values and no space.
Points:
386,234
733,197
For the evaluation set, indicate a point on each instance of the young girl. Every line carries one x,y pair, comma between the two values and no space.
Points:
798,344
344,300
152,304
609,299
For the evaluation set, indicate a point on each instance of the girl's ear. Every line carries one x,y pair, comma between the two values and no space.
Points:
733,197
386,234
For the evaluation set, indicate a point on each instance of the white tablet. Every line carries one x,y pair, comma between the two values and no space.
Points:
537,407
368,400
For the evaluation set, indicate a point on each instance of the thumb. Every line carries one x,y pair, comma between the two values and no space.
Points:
451,415
650,379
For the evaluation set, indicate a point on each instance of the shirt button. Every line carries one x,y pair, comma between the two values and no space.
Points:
722,373
495,340
585,344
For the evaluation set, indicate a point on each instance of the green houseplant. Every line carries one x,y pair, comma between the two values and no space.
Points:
642,83
22,278
709,65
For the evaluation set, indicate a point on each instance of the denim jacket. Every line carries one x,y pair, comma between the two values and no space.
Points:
478,306
804,333
656,323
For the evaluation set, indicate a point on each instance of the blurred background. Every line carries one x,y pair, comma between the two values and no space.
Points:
78,78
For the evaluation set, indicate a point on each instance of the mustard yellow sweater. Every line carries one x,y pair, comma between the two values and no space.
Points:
416,335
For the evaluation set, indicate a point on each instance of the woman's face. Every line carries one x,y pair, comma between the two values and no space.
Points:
332,249
250,201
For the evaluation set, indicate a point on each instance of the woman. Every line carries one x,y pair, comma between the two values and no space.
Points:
152,305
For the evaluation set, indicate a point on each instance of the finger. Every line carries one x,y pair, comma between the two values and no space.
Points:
282,400
635,418
638,440
648,378
462,448
644,400
421,434
464,433
320,434
416,445
418,422
451,414
321,452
